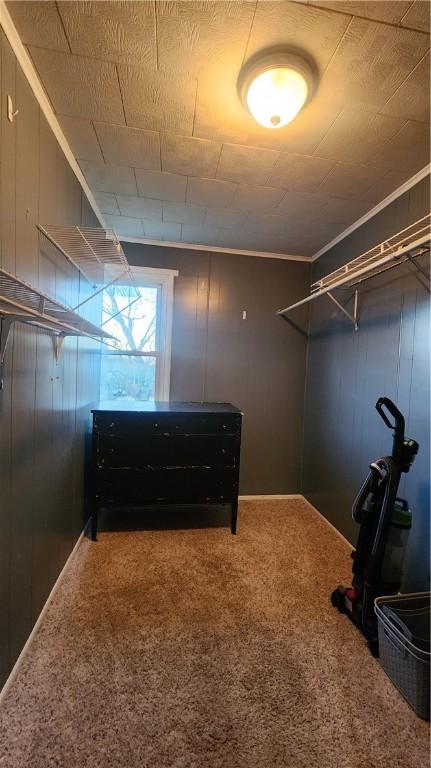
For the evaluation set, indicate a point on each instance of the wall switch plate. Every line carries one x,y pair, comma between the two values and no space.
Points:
11,113
244,314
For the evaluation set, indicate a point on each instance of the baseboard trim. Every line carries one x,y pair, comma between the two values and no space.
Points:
15,669
325,520
271,496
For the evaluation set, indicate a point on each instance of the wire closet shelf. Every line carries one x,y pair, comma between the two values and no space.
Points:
404,246
29,304
20,302
95,251
99,257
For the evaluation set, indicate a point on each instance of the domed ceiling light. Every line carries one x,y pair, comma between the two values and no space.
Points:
275,85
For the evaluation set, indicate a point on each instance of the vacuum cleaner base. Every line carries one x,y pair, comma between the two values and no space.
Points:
348,600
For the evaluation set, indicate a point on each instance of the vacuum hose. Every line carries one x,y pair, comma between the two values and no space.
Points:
365,500
373,509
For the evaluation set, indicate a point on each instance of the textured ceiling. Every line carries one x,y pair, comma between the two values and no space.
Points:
146,95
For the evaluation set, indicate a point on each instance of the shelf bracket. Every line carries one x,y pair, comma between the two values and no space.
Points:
419,268
58,345
353,318
5,329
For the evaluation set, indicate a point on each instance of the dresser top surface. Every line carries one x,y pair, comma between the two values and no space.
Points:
165,407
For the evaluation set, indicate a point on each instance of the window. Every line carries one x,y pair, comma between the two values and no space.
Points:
139,315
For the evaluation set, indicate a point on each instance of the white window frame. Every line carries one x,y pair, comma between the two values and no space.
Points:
163,280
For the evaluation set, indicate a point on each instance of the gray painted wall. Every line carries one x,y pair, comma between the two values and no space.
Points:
44,408
348,371
258,364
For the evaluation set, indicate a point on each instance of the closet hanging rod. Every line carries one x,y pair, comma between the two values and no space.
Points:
411,242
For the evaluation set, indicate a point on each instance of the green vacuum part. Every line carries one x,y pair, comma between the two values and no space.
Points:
401,516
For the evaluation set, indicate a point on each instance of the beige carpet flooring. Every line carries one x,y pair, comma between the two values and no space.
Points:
198,649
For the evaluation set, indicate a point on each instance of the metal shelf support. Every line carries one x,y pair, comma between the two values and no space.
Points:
5,329
353,318
421,271
59,341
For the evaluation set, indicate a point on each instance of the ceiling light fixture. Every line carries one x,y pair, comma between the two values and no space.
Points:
275,85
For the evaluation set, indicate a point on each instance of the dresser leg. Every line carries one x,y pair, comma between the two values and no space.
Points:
94,525
234,515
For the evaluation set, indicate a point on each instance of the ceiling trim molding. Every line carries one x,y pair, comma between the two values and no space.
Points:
419,176
213,249
32,77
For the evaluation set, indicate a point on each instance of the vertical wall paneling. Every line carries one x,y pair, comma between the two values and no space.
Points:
257,363
417,482
5,525
26,126
22,482
8,156
348,371
47,204
189,333
4,457
45,406
44,512
7,260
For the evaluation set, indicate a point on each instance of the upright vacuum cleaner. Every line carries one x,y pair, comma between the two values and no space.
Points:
384,521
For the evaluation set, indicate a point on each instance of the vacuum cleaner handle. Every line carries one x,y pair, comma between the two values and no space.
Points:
399,426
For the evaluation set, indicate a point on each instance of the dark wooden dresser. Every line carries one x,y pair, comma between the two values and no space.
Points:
165,453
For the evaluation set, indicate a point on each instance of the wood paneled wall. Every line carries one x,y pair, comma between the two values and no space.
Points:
45,407
258,364
347,371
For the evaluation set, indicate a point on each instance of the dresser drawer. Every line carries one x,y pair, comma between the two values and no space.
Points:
160,451
138,424
129,488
